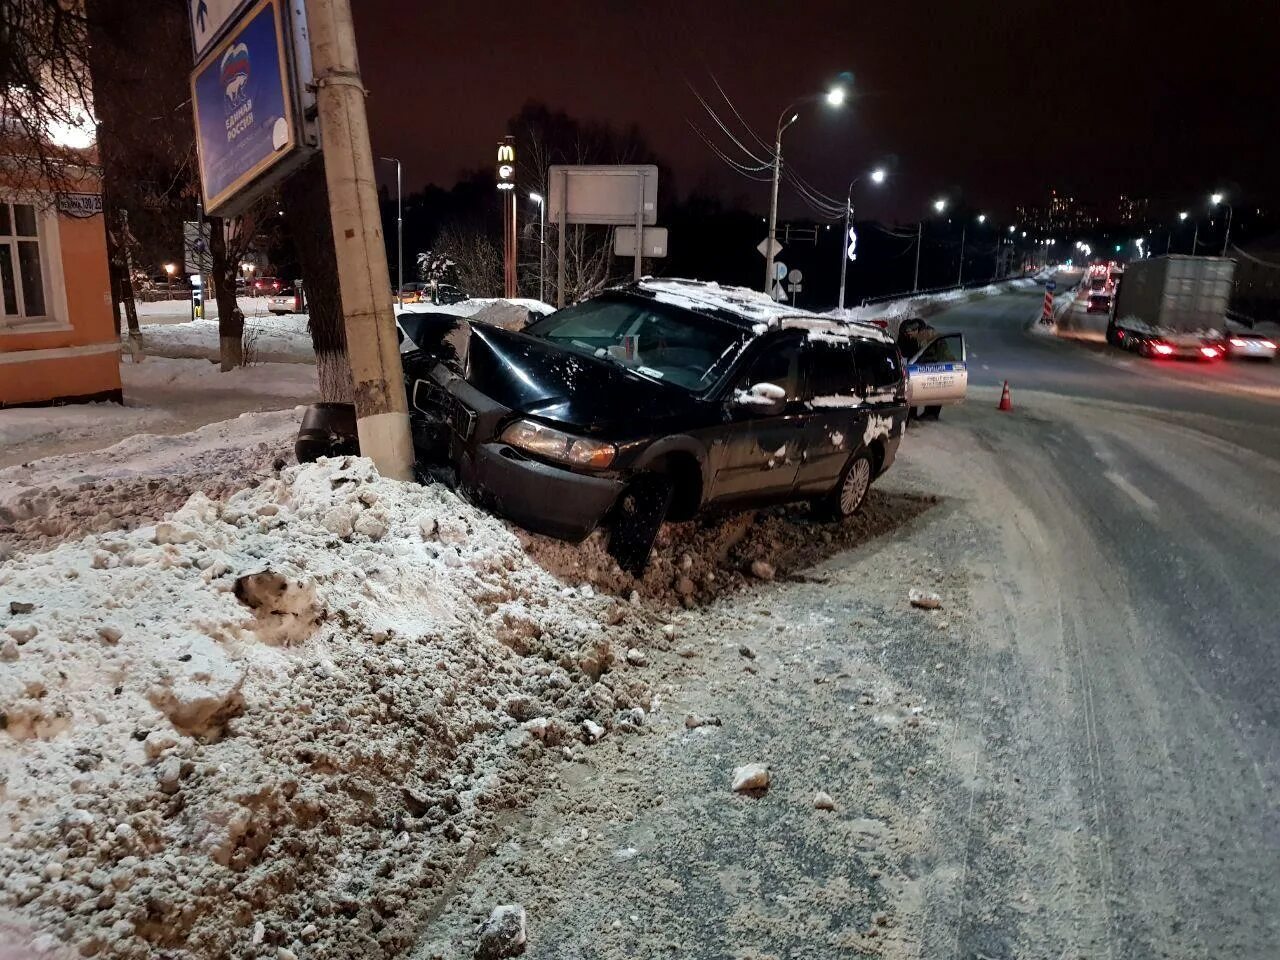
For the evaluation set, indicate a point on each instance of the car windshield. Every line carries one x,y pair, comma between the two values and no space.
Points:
653,339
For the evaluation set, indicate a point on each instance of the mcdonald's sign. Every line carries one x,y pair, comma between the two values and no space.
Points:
506,171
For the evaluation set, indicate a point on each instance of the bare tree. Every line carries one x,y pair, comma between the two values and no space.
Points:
46,107
477,258
306,202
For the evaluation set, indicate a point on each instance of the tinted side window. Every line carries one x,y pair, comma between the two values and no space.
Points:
879,367
942,350
779,365
831,370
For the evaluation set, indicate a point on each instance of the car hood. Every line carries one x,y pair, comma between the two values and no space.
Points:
551,383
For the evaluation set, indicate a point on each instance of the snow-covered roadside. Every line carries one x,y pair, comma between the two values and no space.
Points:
270,338
161,394
280,720
137,480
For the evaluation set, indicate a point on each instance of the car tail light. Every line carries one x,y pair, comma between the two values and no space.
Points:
1209,352
1268,344
1163,349
1237,342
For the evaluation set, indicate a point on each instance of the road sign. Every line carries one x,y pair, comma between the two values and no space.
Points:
196,257
779,270
603,194
653,243
795,276
763,247
1051,285
853,244
1046,315
246,121
209,18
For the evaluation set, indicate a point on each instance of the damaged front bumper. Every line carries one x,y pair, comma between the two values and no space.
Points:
452,416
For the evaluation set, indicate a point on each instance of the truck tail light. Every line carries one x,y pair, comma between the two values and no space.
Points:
1237,342
1209,352
1163,349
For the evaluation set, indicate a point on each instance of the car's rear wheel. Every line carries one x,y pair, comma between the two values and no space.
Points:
850,492
932,413
637,518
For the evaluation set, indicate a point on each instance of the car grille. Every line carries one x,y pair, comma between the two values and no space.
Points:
437,403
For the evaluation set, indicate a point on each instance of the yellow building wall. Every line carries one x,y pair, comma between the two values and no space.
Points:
81,360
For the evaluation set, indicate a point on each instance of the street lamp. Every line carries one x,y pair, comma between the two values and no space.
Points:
399,234
939,206
846,254
834,97
541,201
1216,199
169,269
982,218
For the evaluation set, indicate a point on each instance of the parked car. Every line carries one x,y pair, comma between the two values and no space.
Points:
938,375
413,292
265,286
285,301
660,400
1250,346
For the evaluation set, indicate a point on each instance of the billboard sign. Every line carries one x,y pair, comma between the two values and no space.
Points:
242,94
612,194
654,242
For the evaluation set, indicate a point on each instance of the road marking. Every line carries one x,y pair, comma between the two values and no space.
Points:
1140,498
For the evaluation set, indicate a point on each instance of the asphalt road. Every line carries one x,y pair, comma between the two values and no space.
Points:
1124,697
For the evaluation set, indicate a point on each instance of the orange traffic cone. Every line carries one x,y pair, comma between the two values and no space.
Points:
1005,402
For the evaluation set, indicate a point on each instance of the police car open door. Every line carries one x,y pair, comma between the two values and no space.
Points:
938,374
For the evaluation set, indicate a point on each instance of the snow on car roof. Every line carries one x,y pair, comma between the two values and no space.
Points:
755,306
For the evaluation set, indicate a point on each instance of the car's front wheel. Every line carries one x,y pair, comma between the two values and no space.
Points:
851,491
637,518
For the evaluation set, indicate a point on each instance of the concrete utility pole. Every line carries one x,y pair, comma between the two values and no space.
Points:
382,411
960,276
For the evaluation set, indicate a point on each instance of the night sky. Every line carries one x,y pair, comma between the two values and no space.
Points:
1165,100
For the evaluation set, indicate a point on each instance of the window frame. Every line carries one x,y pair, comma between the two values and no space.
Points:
49,246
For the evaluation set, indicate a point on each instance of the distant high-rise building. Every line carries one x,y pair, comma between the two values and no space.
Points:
1132,209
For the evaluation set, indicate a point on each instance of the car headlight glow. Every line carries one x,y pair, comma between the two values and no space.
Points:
543,441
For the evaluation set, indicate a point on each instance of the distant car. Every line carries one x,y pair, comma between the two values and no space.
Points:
1099,303
283,302
658,400
1250,346
414,292
265,286
938,375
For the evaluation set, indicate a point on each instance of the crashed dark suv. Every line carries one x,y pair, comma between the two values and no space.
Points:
650,402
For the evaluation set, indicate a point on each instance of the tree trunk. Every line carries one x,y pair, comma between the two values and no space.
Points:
230,319
306,203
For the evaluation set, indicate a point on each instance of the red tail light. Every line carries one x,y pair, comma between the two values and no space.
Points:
1209,352
1237,342
1163,349
1268,344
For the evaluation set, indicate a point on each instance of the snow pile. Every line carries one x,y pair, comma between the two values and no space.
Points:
923,304
138,479
268,339
279,721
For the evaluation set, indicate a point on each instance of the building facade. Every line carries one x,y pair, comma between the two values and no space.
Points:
58,337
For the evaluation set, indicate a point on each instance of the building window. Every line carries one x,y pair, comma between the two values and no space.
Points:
22,275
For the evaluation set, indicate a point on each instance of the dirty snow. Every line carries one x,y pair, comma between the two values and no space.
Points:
282,717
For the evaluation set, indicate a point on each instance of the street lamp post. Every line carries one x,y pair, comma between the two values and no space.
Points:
834,97
982,218
399,234
877,176
541,201
939,206
1217,199
169,269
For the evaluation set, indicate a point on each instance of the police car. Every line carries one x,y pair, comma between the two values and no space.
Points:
938,375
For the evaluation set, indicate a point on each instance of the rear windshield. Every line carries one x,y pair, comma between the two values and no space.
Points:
654,339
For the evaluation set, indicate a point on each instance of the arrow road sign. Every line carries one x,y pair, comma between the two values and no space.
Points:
209,19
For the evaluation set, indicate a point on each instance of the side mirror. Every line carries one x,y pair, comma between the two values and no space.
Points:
760,398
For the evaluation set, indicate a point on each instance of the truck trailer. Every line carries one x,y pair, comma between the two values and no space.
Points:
1173,306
